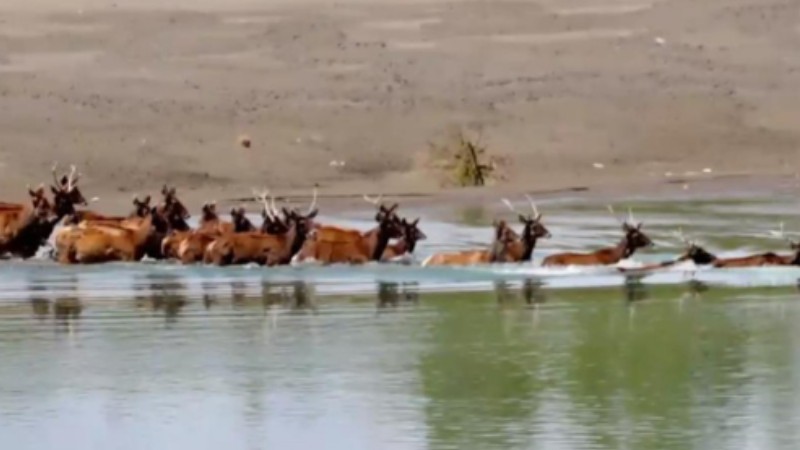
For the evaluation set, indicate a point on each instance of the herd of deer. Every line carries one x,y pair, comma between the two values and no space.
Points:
286,235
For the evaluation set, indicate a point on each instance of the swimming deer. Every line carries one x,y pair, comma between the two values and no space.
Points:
633,240
496,252
329,244
21,225
210,221
508,246
276,242
66,194
104,243
700,256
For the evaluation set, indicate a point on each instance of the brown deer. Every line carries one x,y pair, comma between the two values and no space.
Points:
104,243
30,237
508,246
140,209
329,244
277,241
20,224
83,220
210,221
700,256
633,240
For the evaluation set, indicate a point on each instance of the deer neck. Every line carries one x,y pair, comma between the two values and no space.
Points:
297,241
143,230
498,251
287,243
795,258
377,241
209,220
528,245
623,250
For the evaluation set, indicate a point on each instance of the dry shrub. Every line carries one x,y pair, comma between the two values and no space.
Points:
463,160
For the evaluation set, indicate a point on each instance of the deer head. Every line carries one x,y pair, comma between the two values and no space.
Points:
634,236
533,228
141,208
693,251
240,221
411,233
41,205
209,211
386,217
172,210
66,193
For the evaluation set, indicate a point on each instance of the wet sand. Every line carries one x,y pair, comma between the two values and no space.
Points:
137,94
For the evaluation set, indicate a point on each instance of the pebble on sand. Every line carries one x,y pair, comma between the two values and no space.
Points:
244,141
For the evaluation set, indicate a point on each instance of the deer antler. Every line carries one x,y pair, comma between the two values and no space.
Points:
614,214
53,171
376,201
631,219
780,233
533,206
262,196
71,178
313,201
510,206
679,234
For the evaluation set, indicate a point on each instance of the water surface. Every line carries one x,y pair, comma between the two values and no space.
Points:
162,356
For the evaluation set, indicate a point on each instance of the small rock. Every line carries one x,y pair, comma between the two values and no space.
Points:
598,165
707,170
245,141
660,41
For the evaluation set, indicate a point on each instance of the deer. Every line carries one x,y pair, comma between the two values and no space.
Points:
30,237
503,237
633,240
211,223
521,249
700,256
405,246
21,225
103,243
508,245
155,223
330,244
273,244
190,246
140,209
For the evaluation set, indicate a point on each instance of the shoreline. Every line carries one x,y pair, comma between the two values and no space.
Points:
348,202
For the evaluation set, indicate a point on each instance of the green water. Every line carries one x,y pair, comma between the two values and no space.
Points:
634,367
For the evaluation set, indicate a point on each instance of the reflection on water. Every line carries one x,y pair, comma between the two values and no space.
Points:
696,366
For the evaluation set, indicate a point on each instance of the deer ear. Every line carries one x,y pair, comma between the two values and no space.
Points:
147,200
538,217
639,225
415,222
54,190
312,214
523,219
164,190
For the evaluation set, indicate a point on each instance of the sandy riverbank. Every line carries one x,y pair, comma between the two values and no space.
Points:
137,94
